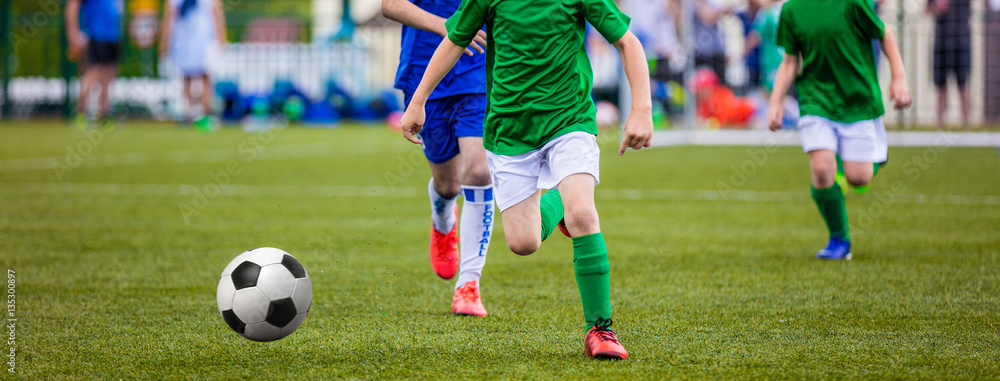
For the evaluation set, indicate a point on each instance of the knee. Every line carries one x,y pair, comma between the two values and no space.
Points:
524,246
477,175
447,187
858,180
582,219
824,175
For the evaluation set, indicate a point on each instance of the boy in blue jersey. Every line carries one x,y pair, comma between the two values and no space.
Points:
93,28
453,145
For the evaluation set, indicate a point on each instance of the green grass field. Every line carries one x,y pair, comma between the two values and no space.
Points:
117,243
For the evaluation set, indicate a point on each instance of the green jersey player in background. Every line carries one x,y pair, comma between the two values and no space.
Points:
540,131
839,98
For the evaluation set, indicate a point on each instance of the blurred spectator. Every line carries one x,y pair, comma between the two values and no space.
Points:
190,29
93,31
764,36
992,32
654,22
751,54
709,43
951,52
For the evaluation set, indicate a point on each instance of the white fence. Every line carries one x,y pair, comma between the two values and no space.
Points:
363,68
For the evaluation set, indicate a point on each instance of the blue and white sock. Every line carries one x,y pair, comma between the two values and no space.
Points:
475,232
442,209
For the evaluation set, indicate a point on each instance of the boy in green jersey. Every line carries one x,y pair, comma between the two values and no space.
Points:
839,98
540,131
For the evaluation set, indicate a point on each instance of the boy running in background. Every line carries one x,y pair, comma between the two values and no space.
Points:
94,30
839,98
453,145
540,131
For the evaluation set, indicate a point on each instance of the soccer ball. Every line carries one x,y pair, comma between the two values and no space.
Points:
264,294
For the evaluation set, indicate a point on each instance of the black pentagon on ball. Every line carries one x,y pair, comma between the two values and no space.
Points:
245,275
293,266
281,312
234,321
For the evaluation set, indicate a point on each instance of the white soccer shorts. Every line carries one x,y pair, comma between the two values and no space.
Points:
862,141
517,177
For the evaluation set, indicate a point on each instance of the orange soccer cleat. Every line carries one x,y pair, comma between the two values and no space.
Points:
467,302
601,342
563,228
444,251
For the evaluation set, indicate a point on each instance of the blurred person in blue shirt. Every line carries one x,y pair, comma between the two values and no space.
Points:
94,30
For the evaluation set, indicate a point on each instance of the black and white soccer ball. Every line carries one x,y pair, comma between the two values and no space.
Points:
264,294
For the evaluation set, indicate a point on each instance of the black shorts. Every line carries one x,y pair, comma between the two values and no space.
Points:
103,53
953,56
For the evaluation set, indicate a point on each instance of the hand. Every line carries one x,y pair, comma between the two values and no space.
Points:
899,93
775,113
478,43
77,45
164,47
638,131
412,122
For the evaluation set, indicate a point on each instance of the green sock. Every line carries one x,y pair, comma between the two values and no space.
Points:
875,168
840,164
590,259
831,206
552,212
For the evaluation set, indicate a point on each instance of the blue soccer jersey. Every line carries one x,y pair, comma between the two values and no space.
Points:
467,77
101,20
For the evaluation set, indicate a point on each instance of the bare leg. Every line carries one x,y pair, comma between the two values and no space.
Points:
823,166
447,177
474,169
858,173
188,100
206,95
522,225
86,84
966,104
577,193
107,75
942,106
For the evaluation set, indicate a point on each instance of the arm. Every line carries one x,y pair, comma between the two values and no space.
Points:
73,34
167,29
411,15
899,91
220,23
444,58
782,83
639,125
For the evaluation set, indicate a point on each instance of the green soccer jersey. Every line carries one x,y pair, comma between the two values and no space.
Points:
838,80
538,75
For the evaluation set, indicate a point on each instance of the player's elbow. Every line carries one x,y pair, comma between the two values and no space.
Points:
387,9
627,42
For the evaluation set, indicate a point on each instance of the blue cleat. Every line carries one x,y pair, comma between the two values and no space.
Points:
837,249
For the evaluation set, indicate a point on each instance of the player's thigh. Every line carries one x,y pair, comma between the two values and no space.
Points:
577,191
475,171
858,173
522,225
823,167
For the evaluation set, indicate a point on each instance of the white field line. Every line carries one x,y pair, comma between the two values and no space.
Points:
263,152
411,192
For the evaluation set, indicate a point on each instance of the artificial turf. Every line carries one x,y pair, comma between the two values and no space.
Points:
117,255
